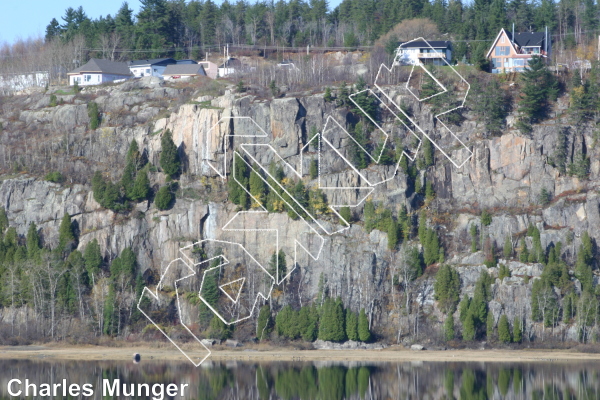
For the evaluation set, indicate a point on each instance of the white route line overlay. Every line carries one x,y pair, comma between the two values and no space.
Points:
321,137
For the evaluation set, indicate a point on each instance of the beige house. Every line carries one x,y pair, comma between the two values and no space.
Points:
509,54
211,69
183,71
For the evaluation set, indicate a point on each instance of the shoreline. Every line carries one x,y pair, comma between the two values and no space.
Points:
170,353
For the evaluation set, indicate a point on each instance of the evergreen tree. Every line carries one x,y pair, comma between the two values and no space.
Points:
504,330
524,253
346,214
92,258
489,326
98,187
364,333
314,169
141,187
392,234
169,156
164,197
369,216
3,221
463,308
258,189
331,327
33,241
517,330
473,232
239,182
66,235
128,179
327,96
264,323
539,87
449,328
507,250
110,317
351,325
447,289
469,327
94,115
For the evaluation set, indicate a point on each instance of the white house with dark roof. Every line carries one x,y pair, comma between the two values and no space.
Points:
508,54
416,52
98,71
152,67
183,71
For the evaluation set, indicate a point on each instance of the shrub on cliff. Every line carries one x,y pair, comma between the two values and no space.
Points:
164,197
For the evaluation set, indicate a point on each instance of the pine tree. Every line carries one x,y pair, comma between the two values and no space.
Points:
392,234
538,89
265,323
346,214
141,187
258,189
507,250
473,232
447,289
164,197
66,236
517,330
327,96
504,330
169,156
94,115
489,326
364,334
98,187
128,179
463,308
469,327
3,221
449,328
331,327
524,253
314,169
351,325
92,257
33,241
369,216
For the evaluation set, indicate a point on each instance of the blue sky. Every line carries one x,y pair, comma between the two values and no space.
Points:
28,18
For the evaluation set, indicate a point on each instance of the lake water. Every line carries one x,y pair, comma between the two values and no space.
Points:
320,380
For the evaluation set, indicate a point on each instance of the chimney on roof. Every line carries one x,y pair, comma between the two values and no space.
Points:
513,33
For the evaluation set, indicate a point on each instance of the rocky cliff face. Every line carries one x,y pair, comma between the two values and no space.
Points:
505,175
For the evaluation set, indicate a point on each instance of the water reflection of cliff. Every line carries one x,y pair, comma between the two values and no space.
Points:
327,381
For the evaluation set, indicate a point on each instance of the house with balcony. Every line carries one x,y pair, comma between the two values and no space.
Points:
417,52
511,53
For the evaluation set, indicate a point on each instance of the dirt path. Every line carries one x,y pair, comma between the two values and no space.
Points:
164,352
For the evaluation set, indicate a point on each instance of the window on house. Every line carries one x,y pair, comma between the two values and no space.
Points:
147,70
502,50
496,63
502,39
87,78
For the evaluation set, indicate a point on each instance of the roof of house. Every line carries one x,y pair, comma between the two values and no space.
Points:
97,65
231,63
184,69
525,39
186,61
152,61
423,43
